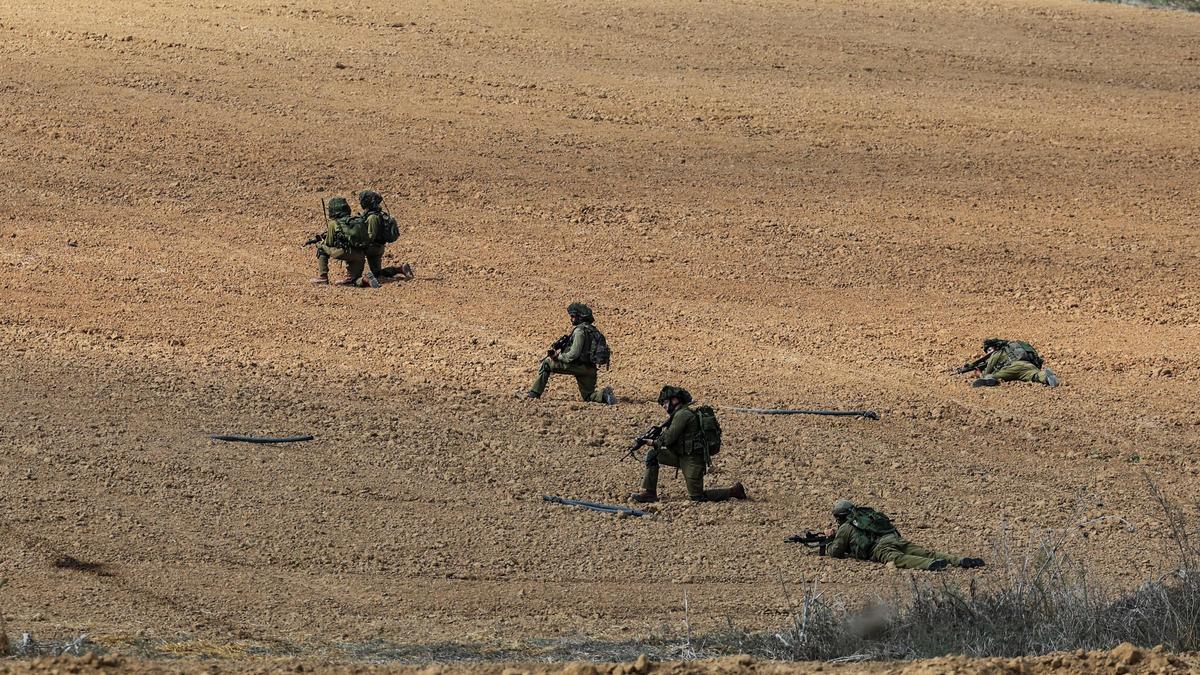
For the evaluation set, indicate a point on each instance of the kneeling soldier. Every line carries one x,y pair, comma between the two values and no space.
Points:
382,230
687,443
345,239
577,353
867,534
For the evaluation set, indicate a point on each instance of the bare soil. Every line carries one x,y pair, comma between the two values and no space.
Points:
770,203
1123,659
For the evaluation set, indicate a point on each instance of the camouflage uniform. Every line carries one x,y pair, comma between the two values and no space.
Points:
572,361
885,547
370,202
681,445
335,245
850,541
1002,367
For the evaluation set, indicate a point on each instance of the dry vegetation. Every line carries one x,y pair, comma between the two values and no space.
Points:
773,203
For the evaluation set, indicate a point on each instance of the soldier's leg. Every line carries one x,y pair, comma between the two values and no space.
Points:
653,459
543,376
323,253
375,260
909,548
650,478
585,377
892,550
693,477
1018,371
355,262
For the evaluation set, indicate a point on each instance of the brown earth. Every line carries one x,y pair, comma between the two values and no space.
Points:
770,203
1123,659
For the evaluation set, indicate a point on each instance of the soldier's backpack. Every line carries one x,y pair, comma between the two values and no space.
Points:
353,232
390,231
598,354
1017,350
710,429
872,522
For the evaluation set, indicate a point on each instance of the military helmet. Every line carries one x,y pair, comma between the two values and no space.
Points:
668,392
337,207
580,310
369,199
994,343
842,508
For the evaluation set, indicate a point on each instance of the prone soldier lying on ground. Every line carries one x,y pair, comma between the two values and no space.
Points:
1008,361
687,442
867,534
577,353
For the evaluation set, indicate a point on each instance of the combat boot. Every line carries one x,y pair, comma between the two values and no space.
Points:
986,382
971,563
644,497
370,280
407,271
738,491
607,398
323,279
1050,377
937,565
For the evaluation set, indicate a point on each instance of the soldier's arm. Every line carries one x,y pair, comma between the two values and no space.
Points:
840,546
675,430
578,340
992,362
374,222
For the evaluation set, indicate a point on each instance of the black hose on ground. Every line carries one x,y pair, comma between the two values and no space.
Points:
259,439
868,414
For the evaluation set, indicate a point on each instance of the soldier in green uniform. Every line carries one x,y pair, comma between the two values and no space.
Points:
683,445
381,230
1012,361
576,358
867,534
338,245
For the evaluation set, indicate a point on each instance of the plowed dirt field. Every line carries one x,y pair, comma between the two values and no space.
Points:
803,204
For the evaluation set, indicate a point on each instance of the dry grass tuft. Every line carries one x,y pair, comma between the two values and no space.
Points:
1045,601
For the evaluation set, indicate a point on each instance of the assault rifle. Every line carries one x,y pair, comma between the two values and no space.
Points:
559,345
811,539
973,365
648,437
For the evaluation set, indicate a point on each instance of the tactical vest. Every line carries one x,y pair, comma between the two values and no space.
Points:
350,232
596,351
1017,350
710,431
389,229
869,527
692,442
